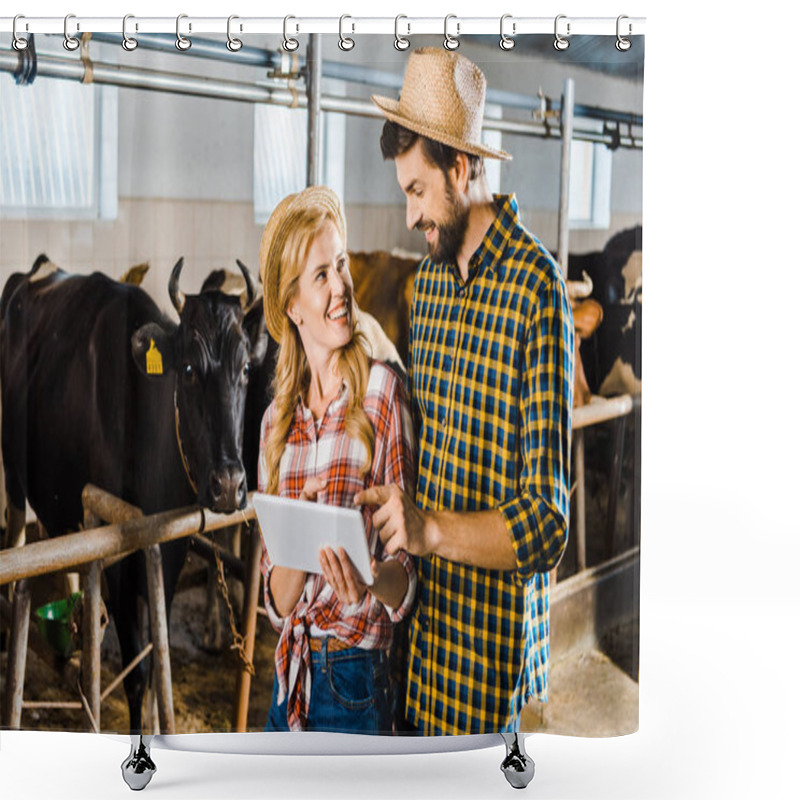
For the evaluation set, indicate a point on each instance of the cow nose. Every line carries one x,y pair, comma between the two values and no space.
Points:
228,487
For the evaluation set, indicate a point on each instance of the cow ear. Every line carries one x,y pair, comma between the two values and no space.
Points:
152,349
255,328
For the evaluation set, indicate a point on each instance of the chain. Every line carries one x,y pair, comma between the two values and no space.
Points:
239,641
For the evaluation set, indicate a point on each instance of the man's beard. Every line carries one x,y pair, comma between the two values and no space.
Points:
451,231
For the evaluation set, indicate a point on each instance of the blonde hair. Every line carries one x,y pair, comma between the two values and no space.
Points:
292,373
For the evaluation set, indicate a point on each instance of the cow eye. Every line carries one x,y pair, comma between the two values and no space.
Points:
246,373
188,372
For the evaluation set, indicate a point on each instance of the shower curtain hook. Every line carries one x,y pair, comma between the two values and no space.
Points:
181,42
70,42
506,42
623,44
289,44
233,44
451,42
561,43
345,42
20,42
400,42
128,42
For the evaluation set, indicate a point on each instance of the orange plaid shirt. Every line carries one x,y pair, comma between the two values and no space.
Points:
327,452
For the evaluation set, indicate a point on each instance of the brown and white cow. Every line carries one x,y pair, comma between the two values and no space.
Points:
613,357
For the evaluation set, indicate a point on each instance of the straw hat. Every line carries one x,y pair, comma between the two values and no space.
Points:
442,98
284,218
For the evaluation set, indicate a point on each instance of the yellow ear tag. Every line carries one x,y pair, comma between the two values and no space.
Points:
155,366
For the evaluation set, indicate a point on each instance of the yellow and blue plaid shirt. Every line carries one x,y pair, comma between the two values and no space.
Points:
491,376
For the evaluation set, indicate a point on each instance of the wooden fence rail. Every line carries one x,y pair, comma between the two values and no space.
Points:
111,541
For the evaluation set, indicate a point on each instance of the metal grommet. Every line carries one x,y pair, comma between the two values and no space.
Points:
70,42
506,42
623,44
20,42
128,42
181,42
233,44
289,44
560,42
345,42
451,42
401,43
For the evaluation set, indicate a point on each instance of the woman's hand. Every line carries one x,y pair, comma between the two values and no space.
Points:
343,577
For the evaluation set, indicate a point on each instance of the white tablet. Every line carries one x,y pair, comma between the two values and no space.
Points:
294,532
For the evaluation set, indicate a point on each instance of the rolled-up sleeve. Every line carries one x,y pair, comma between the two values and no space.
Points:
400,460
276,620
537,517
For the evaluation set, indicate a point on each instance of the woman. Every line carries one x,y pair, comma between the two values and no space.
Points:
338,423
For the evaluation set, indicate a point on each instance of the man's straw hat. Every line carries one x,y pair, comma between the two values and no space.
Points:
273,241
443,96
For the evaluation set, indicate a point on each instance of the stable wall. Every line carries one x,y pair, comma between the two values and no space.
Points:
185,179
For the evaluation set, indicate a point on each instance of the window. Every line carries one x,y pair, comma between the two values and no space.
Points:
280,152
590,184
58,149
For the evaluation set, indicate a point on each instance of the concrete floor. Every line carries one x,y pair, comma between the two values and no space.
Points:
589,696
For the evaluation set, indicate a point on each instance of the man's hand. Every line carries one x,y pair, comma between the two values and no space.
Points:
400,524
312,488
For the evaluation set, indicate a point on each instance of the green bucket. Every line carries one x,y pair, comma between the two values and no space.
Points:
53,621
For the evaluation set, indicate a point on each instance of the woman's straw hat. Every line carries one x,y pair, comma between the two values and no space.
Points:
442,98
273,241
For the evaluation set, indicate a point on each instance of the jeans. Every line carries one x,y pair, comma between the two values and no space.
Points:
349,693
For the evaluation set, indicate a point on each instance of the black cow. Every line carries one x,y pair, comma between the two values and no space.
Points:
612,357
99,386
262,369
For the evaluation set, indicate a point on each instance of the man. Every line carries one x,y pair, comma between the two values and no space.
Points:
491,377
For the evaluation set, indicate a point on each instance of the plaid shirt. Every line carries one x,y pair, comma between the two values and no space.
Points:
331,454
491,372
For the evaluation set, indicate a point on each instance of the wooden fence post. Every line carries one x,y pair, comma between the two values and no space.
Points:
160,636
92,637
17,655
249,614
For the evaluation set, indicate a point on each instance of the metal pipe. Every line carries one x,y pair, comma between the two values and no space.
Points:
352,73
263,92
135,78
314,104
593,576
201,48
601,410
567,103
614,542
580,500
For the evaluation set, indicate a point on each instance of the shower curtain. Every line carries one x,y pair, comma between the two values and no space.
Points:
517,367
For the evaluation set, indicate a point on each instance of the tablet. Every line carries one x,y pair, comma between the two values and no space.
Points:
294,532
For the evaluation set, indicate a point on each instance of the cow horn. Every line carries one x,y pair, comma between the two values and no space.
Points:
251,289
175,294
578,290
